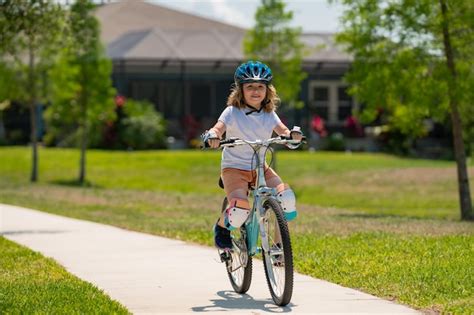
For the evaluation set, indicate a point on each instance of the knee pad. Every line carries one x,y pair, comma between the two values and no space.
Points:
236,213
286,198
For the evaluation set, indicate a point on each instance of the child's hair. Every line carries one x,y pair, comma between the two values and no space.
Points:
269,104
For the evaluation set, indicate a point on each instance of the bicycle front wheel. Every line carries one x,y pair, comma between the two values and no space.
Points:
239,263
278,259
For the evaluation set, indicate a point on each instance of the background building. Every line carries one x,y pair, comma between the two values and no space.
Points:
184,64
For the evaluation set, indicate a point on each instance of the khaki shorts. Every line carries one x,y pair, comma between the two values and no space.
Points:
234,178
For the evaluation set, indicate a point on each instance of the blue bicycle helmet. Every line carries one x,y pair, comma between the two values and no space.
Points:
253,71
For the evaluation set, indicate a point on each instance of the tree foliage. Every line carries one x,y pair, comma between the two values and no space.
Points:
30,31
82,93
64,112
399,59
274,42
414,59
8,90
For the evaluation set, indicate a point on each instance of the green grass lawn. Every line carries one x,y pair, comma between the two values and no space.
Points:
32,284
385,225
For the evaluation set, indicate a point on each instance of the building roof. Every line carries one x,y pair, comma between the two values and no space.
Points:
322,48
121,17
137,30
176,44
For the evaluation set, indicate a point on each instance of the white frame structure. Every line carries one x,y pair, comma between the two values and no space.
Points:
333,99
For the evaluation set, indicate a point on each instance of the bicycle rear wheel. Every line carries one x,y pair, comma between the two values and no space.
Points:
238,262
278,260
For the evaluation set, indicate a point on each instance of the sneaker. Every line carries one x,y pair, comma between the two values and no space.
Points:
222,238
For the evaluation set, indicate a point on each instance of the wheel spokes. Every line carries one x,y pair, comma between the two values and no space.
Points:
275,259
238,259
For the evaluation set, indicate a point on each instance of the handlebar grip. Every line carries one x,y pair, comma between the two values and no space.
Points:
303,139
227,141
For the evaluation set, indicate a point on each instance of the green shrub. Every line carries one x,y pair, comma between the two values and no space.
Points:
335,142
142,127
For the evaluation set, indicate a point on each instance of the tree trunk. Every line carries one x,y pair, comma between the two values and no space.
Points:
82,163
83,135
459,149
33,118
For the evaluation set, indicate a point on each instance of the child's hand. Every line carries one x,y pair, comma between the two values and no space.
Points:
214,143
211,139
296,134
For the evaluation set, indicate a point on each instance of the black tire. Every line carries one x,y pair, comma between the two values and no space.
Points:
278,267
239,264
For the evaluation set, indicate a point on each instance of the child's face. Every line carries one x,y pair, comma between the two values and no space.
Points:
254,93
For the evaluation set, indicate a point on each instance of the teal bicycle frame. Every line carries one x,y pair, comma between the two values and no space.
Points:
275,243
254,224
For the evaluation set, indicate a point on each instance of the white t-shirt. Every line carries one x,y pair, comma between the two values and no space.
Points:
255,126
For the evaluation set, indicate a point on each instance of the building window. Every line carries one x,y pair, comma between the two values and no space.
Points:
144,91
171,102
200,100
330,100
345,103
320,101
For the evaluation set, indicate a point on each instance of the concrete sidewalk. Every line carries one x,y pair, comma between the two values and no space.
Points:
155,275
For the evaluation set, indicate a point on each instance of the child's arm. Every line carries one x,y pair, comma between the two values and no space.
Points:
219,129
215,134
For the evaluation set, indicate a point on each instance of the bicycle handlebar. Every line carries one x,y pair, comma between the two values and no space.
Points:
232,142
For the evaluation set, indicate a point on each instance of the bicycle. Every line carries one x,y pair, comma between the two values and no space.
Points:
267,220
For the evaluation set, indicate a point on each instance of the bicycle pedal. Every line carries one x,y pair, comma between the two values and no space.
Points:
225,255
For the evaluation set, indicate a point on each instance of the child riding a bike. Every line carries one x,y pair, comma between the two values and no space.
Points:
250,115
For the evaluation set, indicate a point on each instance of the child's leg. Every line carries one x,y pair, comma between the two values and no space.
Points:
236,187
273,181
239,194
272,178
285,196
